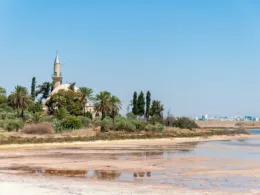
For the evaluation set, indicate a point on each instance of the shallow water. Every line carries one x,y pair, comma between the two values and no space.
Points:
230,165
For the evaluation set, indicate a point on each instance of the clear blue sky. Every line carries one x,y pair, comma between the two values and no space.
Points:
195,56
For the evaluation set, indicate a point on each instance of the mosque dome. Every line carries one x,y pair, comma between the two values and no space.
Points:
65,87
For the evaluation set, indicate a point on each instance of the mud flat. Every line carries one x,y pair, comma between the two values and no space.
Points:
214,165
17,185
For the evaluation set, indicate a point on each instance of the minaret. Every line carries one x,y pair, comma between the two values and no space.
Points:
57,74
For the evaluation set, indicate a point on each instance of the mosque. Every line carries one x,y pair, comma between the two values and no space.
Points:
57,86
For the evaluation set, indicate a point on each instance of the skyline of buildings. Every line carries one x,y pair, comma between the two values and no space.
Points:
206,117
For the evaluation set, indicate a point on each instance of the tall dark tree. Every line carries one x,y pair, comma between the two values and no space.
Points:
33,86
134,104
141,104
148,104
156,108
44,90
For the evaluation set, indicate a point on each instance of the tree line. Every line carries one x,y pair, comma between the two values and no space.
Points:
67,109
142,107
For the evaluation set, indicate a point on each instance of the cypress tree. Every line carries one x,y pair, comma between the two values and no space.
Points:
141,104
33,95
148,103
135,109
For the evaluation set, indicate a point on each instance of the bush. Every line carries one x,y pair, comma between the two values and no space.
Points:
34,118
7,115
140,125
41,129
122,124
2,123
129,126
6,109
131,116
47,118
106,124
35,107
157,127
15,124
85,121
71,122
89,115
57,125
155,119
61,113
149,127
185,123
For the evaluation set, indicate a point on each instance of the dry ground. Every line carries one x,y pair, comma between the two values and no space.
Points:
229,124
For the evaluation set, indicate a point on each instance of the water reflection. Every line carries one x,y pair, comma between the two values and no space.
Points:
142,174
65,172
107,174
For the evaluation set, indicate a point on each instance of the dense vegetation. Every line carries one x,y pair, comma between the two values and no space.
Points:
68,110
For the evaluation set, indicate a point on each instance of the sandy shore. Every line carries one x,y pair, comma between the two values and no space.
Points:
162,141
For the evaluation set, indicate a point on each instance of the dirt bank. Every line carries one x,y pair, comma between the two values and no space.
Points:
162,141
229,124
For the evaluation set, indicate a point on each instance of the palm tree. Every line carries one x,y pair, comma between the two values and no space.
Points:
116,106
85,96
102,103
44,89
20,99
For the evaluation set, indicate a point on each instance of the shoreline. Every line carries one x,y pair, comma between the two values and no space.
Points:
30,185
161,141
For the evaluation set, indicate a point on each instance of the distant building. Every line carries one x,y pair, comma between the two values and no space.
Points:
248,118
204,117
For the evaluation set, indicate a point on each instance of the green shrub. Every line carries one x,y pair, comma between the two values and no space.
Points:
27,116
2,123
122,124
35,107
106,124
15,124
57,125
149,127
155,119
185,123
89,115
6,109
131,116
157,127
85,121
47,118
140,125
61,113
71,122
129,126
7,115
34,118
